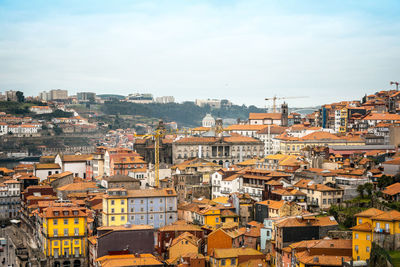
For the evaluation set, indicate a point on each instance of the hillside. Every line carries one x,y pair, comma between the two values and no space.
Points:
186,114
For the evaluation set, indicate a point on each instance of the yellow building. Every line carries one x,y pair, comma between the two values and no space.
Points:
115,208
209,216
377,226
362,241
65,235
183,244
229,256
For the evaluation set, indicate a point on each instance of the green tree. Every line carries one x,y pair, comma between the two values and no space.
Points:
360,190
57,130
20,96
368,187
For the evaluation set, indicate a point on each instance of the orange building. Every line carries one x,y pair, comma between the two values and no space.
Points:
225,238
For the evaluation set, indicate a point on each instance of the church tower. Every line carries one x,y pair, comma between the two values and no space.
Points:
285,114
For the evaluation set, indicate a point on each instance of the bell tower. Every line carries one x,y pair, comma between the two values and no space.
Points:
285,114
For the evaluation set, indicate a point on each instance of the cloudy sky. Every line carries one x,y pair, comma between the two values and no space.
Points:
240,50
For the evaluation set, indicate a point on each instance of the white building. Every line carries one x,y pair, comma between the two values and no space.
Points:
214,103
3,128
224,183
24,130
165,99
42,170
41,109
79,165
208,121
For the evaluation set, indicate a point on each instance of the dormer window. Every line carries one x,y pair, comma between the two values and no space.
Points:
66,212
75,212
56,213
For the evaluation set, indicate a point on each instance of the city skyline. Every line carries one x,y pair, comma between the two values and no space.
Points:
243,51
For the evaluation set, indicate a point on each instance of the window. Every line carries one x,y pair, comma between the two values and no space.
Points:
367,249
356,248
368,237
55,222
161,200
112,210
122,210
151,217
132,217
112,202
356,236
141,209
76,242
76,220
65,243
122,202
65,221
223,262
216,220
141,201
65,231
55,232
359,221
151,201
55,243
233,261
112,218
76,231
122,218
132,209
142,217
161,217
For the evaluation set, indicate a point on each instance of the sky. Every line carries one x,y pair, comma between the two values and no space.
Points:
244,51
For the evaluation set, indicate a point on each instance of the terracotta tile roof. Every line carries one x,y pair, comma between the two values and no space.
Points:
263,116
364,227
392,162
392,190
272,204
80,186
303,183
273,129
129,260
369,213
51,212
60,175
47,166
252,231
392,215
76,158
320,136
321,260
186,236
228,213
181,228
223,253
382,116
245,127
307,221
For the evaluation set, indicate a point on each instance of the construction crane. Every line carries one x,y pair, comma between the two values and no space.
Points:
158,133
281,98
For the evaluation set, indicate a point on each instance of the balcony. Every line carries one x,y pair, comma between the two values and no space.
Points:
224,191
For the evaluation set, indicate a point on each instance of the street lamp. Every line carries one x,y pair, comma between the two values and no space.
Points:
397,85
